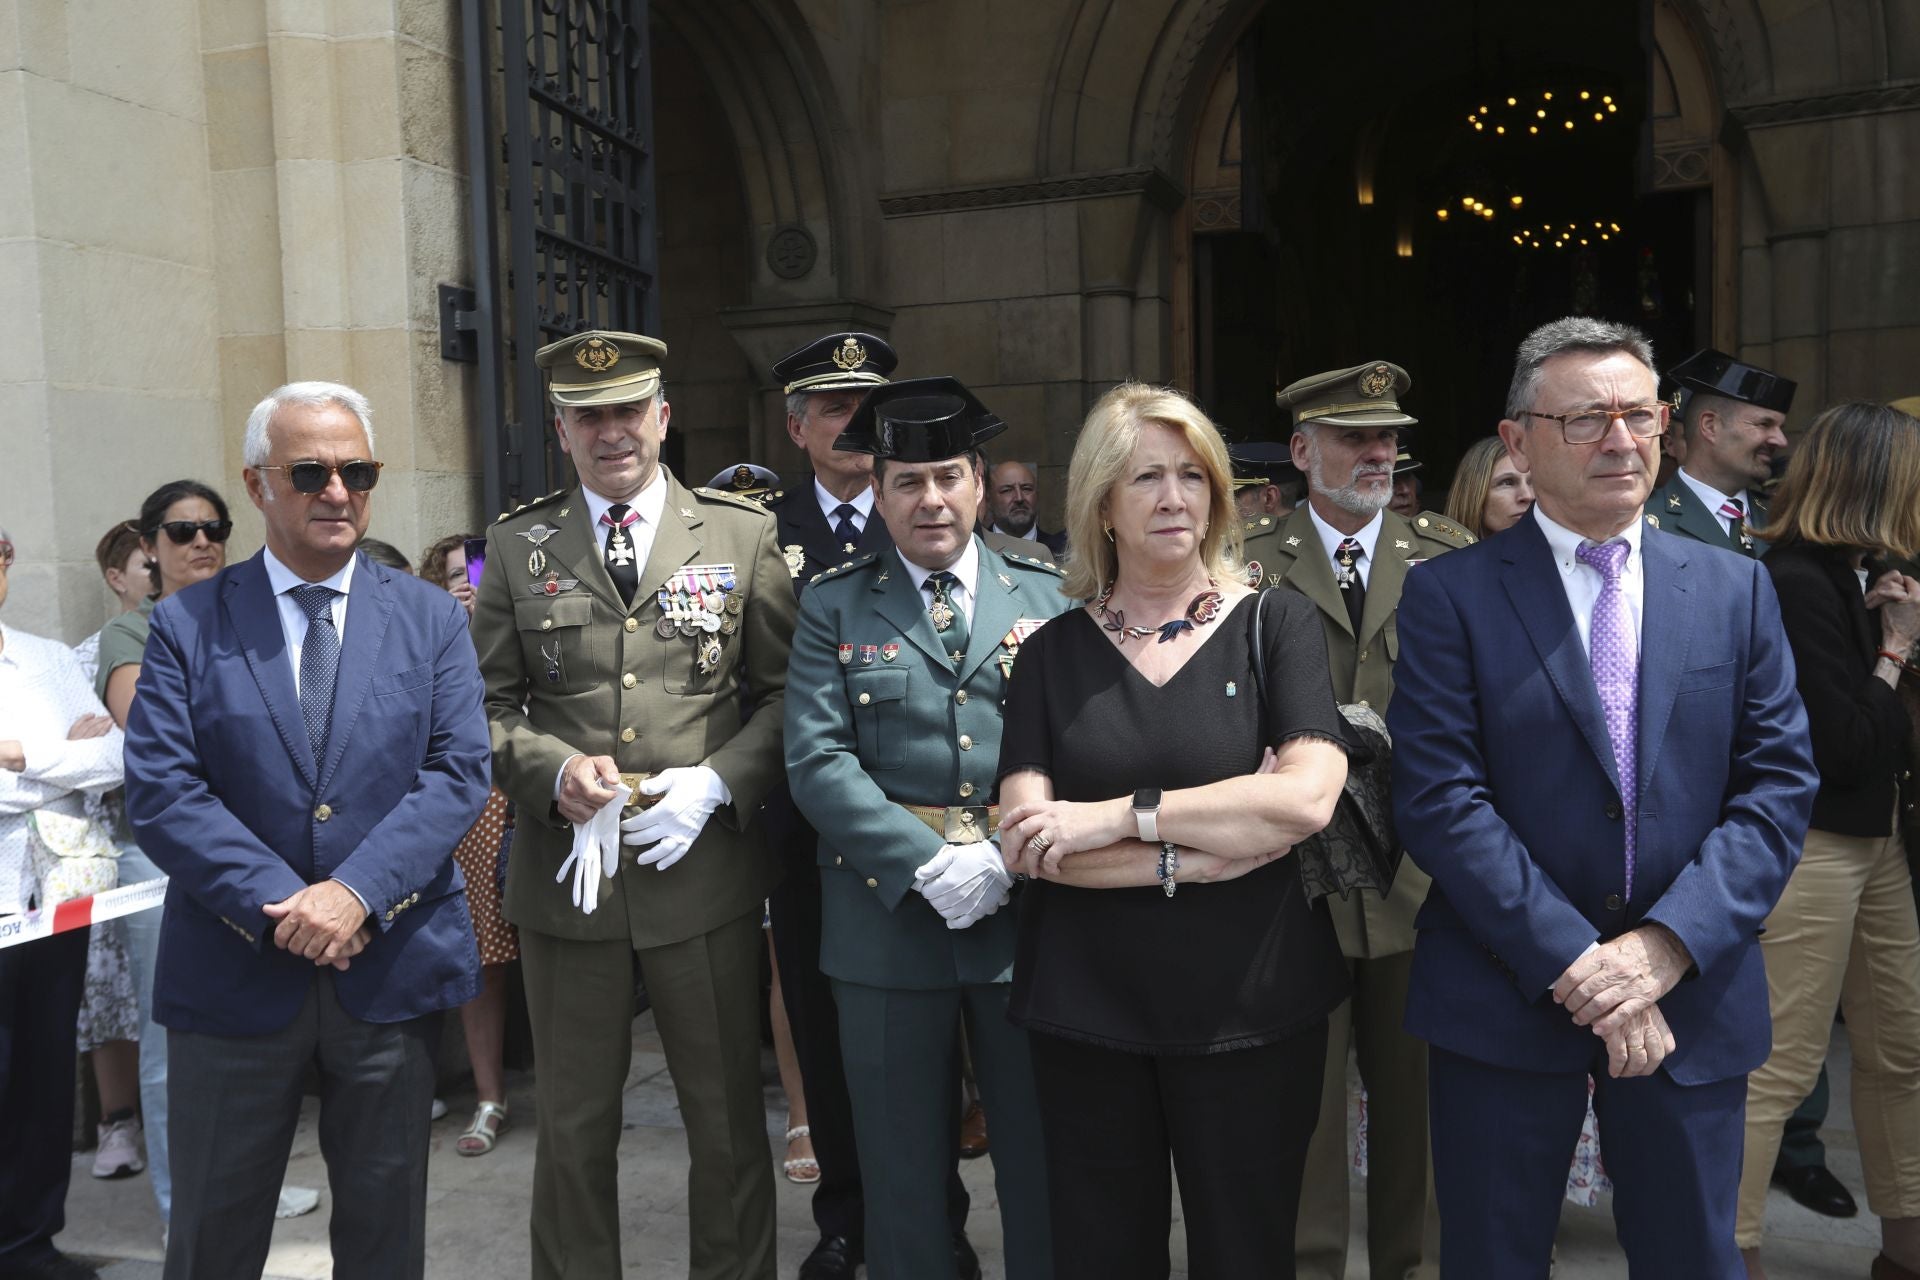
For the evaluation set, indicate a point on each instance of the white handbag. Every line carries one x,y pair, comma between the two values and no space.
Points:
72,856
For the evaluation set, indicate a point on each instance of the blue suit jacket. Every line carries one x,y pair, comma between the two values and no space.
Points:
1505,792
226,797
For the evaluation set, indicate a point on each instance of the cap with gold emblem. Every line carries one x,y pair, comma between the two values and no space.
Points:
837,362
602,367
919,420
748,480
1367,395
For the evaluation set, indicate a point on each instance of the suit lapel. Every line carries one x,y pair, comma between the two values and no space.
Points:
1386,575
896,600
369,608
676,543
995,609
254,615
574,552
1533,585
1663,645
1693,519
1311,573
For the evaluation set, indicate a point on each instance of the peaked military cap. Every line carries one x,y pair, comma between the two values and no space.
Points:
748,480
602,367
837,362
1367,395
1260,462
1404,462
1716,373
919,420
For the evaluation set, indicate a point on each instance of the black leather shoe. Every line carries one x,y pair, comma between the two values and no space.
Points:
834,1258
51,1265
965,1260
1811,1185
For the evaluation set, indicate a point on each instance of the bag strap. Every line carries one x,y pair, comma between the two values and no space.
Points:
1257,650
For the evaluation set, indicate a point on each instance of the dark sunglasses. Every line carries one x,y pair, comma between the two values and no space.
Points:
359,475
183,531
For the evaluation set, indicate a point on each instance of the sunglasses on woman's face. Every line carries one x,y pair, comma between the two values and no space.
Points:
183,531
310,476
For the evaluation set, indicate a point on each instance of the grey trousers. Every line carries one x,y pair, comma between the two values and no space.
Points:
233,1104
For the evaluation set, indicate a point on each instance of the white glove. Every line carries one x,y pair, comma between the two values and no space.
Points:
964,882
596,852
688,797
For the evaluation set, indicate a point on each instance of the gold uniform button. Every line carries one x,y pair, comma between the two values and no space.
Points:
838,860
960,696
629,680
1422,522
633,624
546,624
865,698
627,735
966,789
323,812
1365,703
873,884
1364,653
966,742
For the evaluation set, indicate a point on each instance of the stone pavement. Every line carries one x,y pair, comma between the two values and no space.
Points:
477,1208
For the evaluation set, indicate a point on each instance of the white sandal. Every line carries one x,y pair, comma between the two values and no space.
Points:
804,1170
483,1134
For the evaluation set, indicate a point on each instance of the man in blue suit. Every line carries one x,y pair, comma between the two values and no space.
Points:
306,748
1608,812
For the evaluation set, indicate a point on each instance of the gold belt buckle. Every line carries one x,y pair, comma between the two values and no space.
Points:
966,824
638,800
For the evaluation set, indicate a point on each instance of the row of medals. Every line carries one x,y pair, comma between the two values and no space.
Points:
700,602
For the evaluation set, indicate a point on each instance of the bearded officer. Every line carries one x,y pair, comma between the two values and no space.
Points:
899,670
1733,417
1347,553
618,623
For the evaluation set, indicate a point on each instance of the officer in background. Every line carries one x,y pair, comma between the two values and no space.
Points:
1732,418
1347,553
824,521
1266,488
617,623
1407,487
899,671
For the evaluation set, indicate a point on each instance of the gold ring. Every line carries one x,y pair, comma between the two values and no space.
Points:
1040,844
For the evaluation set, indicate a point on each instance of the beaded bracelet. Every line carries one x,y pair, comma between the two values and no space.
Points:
1169,866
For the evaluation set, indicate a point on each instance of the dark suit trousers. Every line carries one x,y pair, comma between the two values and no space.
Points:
40,987
233,1103
1502,1140
1237,1125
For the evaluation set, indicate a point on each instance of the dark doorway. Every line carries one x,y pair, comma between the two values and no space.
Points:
1369,134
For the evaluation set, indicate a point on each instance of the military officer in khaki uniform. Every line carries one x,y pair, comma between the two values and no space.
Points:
618,623
1347,553
1264,482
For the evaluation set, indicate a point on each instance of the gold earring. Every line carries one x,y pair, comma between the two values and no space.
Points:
1108,530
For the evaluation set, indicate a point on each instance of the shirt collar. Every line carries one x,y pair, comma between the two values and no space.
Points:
1565,543
862,501
649,503
1368,536
966,568
1712,496
283,579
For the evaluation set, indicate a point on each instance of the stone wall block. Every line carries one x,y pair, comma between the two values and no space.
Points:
232,24
1039,338
239,108
1756,294
1799,287
376,249
1851,170
433,23
380,367
1874,276
447,502
313,240
1062,246
917,43
318,353
16,193
366,80
915,261
38,35
250,366
1804,47
993,135
444,435
957,338
1791,162
299,17
177,435
305,98
352,18
433,210
1895,166
246,229
27,500
915,139
1024,409
128,321
147,54
1805,361
994,253
431,106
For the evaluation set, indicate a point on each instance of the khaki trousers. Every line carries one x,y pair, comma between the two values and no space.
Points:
1843,934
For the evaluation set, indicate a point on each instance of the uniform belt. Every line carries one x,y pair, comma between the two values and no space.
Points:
960,823
639,799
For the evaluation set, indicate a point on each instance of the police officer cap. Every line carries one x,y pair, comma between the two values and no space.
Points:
919,420
1716,373
602,367
1260,462
1367,395
748,480
837,362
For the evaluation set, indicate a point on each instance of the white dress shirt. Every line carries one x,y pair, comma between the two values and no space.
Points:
1583,581
861,502
1714,498
649,504
293,619
1331,538
967,569
42,692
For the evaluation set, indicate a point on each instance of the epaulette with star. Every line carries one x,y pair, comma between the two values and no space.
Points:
1432,524
731,499
529,505
860,561
1032,562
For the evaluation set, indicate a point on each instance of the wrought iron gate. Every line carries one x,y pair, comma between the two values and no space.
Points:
567,241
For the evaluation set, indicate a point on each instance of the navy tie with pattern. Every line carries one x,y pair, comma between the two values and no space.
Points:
319,663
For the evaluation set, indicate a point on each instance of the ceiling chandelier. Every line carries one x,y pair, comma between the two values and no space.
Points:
1546,114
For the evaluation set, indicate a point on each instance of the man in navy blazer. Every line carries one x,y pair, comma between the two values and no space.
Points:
1608,812
306,748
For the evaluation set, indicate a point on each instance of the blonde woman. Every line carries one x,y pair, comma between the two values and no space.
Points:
1174,979
1488,493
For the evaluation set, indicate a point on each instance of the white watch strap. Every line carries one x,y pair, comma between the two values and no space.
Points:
1149,824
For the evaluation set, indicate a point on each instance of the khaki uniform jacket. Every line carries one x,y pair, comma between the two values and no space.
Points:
1362,669
618,688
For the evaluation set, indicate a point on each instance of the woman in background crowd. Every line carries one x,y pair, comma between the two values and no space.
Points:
1488,494
124,567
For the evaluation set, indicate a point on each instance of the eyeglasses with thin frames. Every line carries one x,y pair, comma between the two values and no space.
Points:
1589,426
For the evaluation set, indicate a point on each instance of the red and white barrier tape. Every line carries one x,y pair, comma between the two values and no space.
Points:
81,912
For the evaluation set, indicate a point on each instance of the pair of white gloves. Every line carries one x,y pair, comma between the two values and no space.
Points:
965,883
688,797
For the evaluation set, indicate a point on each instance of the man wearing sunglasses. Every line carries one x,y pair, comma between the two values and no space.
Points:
305,749
634,633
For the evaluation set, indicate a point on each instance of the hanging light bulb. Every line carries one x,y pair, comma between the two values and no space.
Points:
1515,201
1513,102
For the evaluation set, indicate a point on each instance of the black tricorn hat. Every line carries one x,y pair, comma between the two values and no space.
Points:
1716,373
919,420
837,362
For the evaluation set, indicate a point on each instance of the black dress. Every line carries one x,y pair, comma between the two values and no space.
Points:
1218,966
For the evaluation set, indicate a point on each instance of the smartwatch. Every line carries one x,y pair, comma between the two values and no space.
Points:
1146,813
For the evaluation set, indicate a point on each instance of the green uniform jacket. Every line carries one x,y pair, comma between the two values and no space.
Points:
1362,668
619,689
1264,540
1676,508
868,732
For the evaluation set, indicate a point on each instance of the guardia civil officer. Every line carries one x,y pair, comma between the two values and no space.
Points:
899,670
1345,551
1732,414
618,623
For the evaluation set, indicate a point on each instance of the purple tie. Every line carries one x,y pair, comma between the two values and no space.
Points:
1613,653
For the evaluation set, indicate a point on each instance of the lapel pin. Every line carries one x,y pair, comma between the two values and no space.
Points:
1673,502
888,652
1233,690
1293,542
846,655
1400,545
